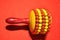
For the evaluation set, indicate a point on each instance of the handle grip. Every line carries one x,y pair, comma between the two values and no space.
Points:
12,20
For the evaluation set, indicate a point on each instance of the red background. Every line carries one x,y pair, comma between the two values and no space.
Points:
20,9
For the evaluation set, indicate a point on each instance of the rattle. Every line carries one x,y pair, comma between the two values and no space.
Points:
38,21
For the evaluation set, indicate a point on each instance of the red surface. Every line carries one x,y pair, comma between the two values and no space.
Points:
20,9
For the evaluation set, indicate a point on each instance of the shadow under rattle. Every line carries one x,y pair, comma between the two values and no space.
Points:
34,37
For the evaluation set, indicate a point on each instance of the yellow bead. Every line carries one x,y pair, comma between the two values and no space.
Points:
40,17
40,20
45,30
45,12
47,21
46,17
39,30
39,11
46,27
40,25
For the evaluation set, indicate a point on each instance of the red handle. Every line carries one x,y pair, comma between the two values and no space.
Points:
12,20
